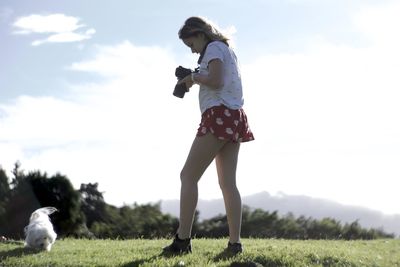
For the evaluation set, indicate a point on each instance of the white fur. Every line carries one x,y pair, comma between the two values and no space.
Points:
40,233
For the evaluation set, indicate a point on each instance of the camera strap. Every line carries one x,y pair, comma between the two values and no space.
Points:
203,52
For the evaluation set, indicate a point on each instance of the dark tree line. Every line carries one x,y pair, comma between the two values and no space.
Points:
263,224
28,192
136,221
84,213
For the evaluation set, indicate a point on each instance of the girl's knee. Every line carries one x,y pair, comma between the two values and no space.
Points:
227,186
186,178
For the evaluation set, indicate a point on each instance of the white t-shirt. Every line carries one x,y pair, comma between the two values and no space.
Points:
230,94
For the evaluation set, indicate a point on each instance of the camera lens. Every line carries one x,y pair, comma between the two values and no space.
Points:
180,90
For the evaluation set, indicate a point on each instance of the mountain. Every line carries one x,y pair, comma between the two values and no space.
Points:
298,205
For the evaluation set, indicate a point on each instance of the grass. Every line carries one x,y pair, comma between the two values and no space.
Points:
206,252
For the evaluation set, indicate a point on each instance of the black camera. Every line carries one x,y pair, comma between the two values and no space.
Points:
180,89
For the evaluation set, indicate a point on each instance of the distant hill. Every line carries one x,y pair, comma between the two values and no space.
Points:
298,205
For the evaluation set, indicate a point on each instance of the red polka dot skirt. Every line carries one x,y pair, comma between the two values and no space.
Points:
225,124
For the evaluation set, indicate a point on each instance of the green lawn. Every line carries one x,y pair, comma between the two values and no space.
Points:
206,252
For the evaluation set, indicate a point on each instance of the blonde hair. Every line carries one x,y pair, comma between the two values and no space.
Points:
196,25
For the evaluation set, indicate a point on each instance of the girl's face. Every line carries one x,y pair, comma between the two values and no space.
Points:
196,43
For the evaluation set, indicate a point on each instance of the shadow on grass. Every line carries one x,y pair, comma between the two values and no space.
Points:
225,255
258,261
261,263
265,261
141,261
18,252
137,262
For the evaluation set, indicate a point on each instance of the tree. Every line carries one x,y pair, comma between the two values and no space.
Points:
352,231
261,224
4,194
35,190
4,186
215,227
18,174
20,203
137,221
287,227
92,204
57,191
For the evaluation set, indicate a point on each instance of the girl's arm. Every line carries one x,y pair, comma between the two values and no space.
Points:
214,79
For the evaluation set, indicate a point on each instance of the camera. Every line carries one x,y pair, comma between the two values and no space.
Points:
180,89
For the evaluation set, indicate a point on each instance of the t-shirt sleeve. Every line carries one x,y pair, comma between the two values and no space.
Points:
214,51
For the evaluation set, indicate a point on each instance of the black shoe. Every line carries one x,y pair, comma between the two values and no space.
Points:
179,246
234,248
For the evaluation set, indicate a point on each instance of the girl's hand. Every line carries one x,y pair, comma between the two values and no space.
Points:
187,80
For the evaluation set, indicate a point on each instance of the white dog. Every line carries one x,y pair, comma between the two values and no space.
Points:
40,233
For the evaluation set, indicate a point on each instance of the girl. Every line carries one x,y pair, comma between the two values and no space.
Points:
222,128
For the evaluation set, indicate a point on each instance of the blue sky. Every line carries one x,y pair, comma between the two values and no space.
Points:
86,91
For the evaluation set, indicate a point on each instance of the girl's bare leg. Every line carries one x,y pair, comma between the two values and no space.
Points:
203,151
226,162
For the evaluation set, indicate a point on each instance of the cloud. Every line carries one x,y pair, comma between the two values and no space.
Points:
119,131
66,37
327,118
127,61
59,28
325,123
380,24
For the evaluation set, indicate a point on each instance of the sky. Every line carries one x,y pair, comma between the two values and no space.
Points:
86,91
